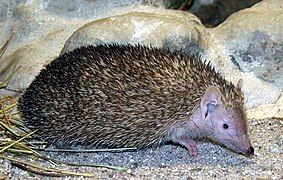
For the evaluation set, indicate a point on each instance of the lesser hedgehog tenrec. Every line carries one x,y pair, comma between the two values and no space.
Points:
134,96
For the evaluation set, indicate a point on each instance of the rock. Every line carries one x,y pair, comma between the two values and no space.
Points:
267,110
279,141
275,149
256,40
169,29
252,40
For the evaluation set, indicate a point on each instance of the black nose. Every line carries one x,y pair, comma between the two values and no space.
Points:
250,151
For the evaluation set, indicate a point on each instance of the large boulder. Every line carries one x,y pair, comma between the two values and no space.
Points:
159,28
252,39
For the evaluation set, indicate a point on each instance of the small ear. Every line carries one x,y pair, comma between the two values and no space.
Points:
240,84
210,99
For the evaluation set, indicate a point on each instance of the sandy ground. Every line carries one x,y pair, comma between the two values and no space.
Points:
173,162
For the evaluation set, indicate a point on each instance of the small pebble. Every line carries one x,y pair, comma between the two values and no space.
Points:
274,149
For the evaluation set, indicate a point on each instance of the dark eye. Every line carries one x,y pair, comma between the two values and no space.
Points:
225,126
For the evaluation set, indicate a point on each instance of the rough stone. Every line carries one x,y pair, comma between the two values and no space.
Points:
169,29
252,38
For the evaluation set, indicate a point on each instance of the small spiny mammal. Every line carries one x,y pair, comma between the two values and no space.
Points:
134,96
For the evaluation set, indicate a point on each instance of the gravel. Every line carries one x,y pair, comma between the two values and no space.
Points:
173,162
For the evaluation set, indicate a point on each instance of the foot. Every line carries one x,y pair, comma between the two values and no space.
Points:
191,146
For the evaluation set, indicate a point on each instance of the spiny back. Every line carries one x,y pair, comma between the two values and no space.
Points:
117,95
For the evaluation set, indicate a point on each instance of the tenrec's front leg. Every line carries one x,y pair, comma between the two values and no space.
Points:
190,145
178,136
